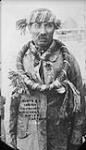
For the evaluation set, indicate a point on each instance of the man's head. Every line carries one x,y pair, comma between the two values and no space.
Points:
42,24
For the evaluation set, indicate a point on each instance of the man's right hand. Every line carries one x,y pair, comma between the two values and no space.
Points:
56,85
61,90
44,87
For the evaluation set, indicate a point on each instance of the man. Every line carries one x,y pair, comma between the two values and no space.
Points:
46,103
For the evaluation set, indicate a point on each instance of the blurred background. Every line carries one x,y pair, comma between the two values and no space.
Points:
73,33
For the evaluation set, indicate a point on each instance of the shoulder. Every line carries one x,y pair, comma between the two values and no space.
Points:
22,53
68,56
24,49
62,47
65,51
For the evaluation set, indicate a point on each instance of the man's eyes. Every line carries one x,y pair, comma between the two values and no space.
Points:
49,25
39,25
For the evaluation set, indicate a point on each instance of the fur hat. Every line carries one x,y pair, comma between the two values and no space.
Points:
44,15
38,15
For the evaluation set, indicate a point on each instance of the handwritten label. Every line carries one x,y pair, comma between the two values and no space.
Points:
29,107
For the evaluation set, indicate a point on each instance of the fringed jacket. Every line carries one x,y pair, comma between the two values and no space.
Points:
59,110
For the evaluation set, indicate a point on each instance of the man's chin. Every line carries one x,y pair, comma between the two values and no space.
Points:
42,43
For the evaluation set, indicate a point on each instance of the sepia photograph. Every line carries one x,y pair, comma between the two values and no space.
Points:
43,74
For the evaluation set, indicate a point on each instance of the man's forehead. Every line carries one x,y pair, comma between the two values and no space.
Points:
41,16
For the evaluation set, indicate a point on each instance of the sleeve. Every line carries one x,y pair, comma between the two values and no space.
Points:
76,78
79,117
75,72
13,119
19,60
71,71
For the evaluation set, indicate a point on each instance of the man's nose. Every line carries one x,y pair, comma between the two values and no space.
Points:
42,29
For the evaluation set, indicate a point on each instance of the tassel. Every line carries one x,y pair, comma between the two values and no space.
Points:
21,25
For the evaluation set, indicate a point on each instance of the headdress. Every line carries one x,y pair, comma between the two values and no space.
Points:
38,15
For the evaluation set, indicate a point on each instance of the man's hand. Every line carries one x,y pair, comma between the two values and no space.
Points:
44,87
56,85
61,90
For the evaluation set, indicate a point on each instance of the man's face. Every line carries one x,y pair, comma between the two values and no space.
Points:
42,33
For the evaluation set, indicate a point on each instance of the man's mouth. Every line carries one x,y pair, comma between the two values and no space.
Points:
43,39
